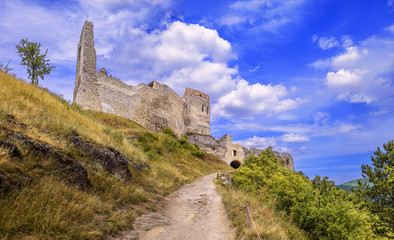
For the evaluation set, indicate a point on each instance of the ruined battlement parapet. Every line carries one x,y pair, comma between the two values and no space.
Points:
191,92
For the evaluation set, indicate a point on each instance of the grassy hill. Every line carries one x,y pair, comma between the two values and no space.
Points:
353,183
74,174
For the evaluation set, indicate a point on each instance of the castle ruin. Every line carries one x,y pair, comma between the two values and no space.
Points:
154,106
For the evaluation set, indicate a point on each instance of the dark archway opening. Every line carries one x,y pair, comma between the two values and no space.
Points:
235,164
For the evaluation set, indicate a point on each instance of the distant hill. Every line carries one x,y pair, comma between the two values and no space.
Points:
353,183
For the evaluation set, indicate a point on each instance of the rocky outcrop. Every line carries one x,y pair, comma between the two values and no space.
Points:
111,159
250,151
65,167
285,158
208,143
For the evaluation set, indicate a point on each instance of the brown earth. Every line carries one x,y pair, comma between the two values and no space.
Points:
194,212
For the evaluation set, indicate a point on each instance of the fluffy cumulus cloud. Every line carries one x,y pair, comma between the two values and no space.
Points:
344,78
247,100
362,72
182,55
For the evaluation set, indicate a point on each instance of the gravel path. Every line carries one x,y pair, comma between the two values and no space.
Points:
194,212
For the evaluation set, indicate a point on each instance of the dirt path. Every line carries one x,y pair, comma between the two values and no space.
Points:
194,212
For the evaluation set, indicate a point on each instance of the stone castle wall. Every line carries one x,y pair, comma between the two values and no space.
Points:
197,111
154,106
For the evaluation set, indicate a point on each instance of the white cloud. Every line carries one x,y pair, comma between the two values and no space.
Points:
348,59
384,81
254,69
346,41
390,28
232,20
330,42
357,97
325,42
361,73
263,15
379,112
247,100
290,137
252,5
182,55
344,78
258,142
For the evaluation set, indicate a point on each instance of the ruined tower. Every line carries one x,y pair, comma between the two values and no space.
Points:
86,89
197,112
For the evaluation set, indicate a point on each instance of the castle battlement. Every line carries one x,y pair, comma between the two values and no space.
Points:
191,92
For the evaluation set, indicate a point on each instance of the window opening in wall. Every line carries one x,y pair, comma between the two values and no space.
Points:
202,108
207,110
234,153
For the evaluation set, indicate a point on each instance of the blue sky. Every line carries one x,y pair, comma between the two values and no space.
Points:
312,78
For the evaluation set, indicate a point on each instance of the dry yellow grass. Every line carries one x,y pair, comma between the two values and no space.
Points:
269,223
48,208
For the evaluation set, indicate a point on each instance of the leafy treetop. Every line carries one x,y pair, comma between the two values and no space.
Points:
37,65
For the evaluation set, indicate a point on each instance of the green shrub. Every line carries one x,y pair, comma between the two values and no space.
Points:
169,131
317,206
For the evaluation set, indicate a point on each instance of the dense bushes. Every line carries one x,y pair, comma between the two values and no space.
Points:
317,206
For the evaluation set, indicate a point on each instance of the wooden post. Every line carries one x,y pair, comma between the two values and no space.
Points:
248,215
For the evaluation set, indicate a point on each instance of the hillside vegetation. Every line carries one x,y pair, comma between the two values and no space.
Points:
74,174
287,205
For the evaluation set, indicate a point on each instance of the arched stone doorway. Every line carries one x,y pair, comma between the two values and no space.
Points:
235,164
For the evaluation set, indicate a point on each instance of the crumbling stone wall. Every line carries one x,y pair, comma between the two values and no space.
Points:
234,152
223,148
154,106
197,112
231,152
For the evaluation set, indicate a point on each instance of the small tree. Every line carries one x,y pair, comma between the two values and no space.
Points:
379,197
37,65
